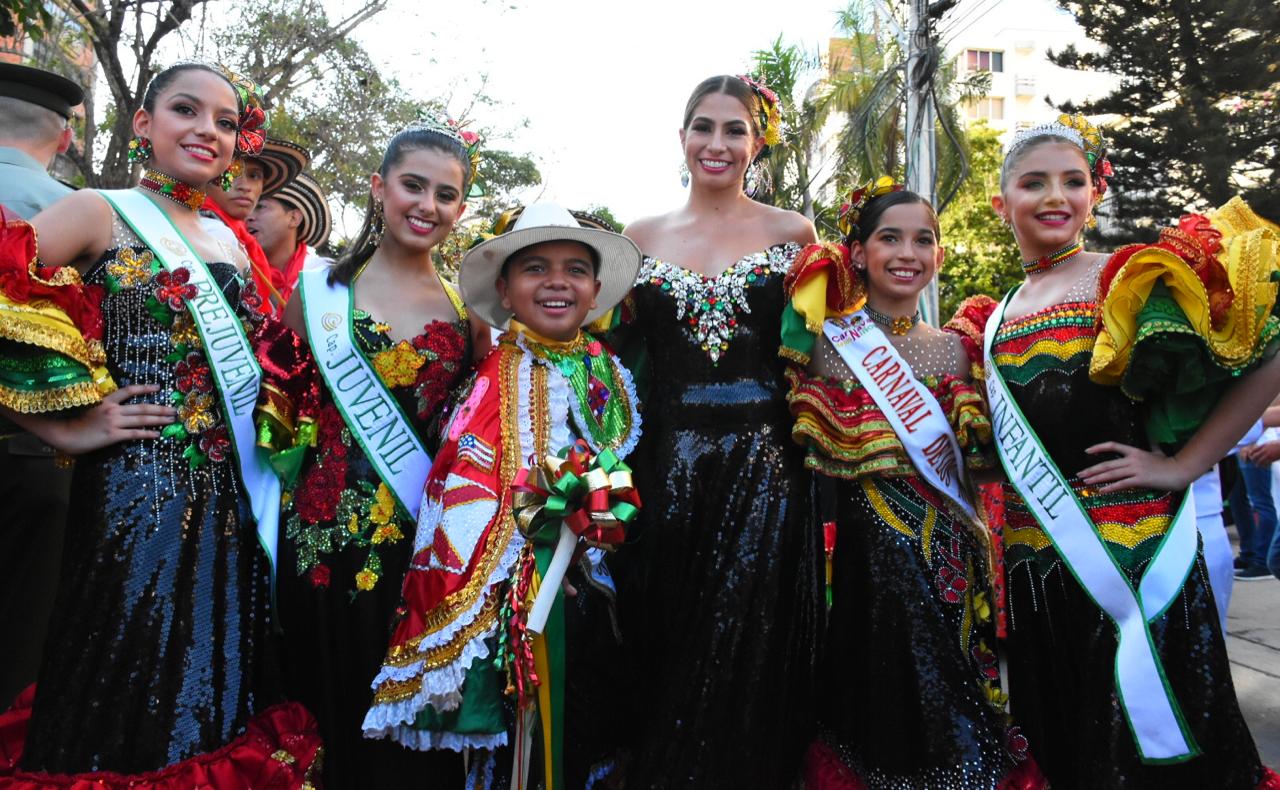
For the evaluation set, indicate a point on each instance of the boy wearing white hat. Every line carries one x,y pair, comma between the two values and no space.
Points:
532,459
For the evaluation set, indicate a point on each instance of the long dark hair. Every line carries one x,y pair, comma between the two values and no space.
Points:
161,82
869,219
411,139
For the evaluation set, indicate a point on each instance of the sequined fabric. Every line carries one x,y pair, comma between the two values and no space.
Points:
344,551
910,680
722,600
1061,646
155,651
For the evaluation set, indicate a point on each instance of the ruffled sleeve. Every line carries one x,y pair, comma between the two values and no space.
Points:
821,284
289,400
51,354
1179,319
970,323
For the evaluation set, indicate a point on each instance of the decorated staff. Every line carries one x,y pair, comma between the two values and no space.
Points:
535,444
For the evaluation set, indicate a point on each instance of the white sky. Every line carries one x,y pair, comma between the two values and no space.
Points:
602,85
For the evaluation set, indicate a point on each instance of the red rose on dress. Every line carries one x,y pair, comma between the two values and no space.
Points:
194,374
319,576
215,443
446,341
173,288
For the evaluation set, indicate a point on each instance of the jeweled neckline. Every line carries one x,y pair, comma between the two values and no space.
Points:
750,256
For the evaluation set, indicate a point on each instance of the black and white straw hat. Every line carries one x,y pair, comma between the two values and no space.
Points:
305,195
538,223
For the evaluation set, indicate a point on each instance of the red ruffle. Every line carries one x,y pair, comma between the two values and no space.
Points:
23,280
970,322
280,749
1027,776
1270,781
824,770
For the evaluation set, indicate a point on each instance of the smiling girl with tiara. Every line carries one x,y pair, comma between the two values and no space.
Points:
1114,382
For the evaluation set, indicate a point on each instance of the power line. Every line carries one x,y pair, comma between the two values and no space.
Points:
990,6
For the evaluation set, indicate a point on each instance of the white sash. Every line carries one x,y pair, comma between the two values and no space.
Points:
1148,702
370,411
226,347
916,416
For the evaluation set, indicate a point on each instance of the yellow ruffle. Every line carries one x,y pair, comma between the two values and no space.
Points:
44,325
1249,254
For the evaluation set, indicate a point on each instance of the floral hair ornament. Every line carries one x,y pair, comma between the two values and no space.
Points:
851,210
770,110
469,140
1079,131
251,130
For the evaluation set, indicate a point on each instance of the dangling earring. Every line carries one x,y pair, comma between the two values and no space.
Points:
684,174
1091,221
140,150
759,179
229,175
378,225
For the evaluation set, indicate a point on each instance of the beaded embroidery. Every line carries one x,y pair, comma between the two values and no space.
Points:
711,305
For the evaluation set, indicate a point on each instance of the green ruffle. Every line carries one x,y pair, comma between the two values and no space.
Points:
481,710
1174,373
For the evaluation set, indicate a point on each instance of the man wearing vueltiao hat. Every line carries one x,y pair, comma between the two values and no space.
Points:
35,107
291,224
225,211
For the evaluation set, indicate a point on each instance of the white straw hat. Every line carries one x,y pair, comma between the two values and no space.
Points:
538,223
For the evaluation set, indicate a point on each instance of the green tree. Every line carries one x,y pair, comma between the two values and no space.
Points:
982,257
1197,95
25,17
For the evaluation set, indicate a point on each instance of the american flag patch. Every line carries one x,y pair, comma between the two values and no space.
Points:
476,451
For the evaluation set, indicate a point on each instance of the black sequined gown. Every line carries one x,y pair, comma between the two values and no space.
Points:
155,651
722,602
344,548
1061,646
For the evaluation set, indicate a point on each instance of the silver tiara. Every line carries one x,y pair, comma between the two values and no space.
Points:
1051,129
439,124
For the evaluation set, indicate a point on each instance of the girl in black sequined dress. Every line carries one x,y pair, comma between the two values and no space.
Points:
346,538
721,604
156,670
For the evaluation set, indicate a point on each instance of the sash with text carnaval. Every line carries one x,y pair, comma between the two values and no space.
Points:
915,414
369,409
1148,702
227,349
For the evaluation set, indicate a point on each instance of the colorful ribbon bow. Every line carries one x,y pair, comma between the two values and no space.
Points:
592,494
852,210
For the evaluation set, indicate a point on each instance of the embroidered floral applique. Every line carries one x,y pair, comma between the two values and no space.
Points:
129,268
398,366
711,305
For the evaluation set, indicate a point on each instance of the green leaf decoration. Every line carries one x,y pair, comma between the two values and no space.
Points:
160,312
175,431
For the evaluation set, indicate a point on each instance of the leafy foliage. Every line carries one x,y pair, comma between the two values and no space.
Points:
1198,102
982,257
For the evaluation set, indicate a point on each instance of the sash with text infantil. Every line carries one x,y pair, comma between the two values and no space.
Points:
227,349
915,414
368,408
1161,733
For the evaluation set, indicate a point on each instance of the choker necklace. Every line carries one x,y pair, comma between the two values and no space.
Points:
1053,259
898,326
170,187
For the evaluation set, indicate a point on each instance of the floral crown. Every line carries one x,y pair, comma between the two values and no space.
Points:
770,110
852,209
1081,132
467,139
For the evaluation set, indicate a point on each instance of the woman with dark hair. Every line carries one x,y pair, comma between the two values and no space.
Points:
1114,381
896,430
360,377
156,669
723,596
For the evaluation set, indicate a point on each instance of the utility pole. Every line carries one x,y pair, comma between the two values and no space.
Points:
921,144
